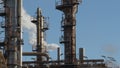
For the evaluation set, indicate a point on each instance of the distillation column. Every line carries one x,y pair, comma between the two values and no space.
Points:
39,35
41,28
68,23
13,33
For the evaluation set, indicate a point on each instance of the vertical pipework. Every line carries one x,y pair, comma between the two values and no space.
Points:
39,35
58,55
19,42
81,55
69,7
11,34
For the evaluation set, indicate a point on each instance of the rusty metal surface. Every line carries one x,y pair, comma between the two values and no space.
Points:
69,28
2,61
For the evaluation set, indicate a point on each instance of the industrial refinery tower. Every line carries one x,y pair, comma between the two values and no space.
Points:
42,26
68,24
40,36
39,51
11,53
12,25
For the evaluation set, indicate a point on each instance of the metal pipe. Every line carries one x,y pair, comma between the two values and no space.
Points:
81,55
53,61
39,33
58,55
35,53
19,43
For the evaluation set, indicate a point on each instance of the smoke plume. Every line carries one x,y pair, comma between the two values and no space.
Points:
51,46
31,29
110,49
29,26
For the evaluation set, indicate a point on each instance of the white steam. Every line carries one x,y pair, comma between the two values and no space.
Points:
110,49
31,29
48,47
52,46
29,26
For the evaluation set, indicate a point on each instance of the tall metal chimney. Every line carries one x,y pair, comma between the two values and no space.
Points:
68,23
